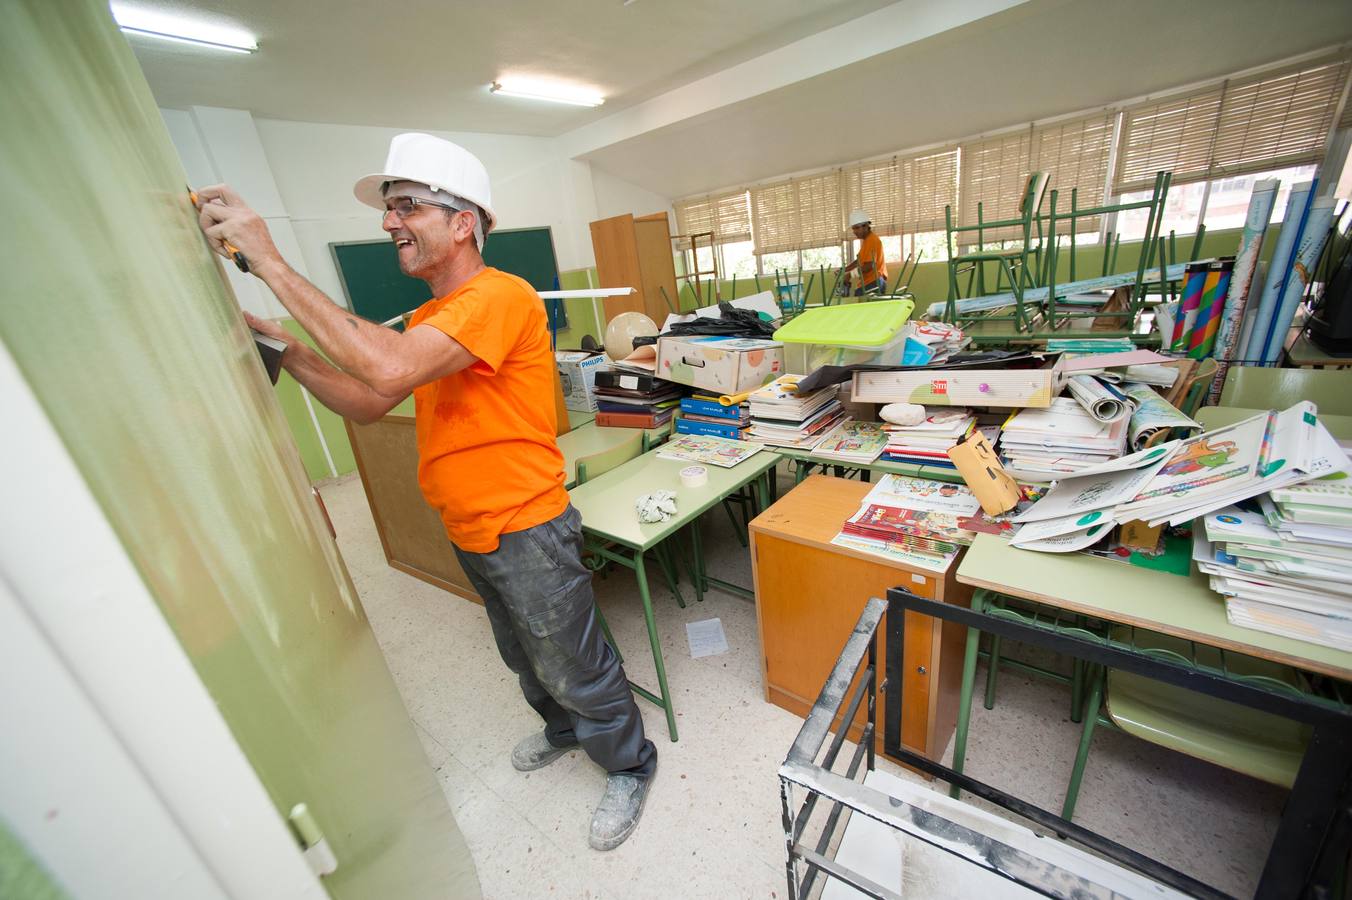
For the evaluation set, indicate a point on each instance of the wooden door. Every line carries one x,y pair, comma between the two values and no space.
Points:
616,251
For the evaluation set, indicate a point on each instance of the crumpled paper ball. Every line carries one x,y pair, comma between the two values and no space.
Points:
903,413
656,507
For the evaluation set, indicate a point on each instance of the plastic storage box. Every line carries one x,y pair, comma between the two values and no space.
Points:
848,334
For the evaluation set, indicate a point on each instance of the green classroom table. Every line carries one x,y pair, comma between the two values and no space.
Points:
803,462
1132,595
613,533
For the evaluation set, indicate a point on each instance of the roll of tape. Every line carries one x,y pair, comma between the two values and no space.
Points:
694,476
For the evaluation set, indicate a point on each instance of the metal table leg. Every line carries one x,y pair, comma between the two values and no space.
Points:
665,700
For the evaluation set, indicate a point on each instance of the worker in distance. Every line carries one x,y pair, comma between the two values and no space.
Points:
869,262
478,361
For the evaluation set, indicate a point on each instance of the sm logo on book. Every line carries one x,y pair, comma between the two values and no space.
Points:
939,386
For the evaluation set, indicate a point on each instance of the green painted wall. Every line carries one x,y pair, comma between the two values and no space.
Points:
289,395
138,355
21,876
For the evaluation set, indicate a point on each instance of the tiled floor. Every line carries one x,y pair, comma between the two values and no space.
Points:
712,824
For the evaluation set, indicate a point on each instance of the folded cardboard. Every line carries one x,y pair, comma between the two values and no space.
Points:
577,371
725,365
981,469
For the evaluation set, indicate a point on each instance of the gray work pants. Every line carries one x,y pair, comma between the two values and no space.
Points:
539,601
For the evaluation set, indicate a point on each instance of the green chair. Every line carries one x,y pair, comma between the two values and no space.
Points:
1258,744
1258,387
1012,265
603,461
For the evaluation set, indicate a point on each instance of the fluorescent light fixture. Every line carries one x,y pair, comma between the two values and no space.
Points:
552,91
149,23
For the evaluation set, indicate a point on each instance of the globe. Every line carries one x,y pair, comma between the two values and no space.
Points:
622,330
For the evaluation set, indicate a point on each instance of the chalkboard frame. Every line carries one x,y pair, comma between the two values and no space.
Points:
556,310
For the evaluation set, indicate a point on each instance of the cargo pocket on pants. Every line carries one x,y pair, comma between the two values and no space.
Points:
564,608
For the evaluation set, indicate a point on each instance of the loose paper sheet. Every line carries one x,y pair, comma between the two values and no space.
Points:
706,638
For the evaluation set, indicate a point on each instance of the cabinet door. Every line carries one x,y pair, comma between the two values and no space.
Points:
808,601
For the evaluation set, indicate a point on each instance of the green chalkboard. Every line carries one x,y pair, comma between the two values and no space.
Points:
378,291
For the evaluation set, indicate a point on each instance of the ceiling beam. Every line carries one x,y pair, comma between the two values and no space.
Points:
884,30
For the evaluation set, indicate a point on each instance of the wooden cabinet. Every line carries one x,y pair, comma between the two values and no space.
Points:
809,594
635,252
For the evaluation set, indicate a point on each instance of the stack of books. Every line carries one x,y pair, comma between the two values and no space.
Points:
1041,444
911,520
927,443
1274,581
850,441
629,400
1183,480
781,417
706,415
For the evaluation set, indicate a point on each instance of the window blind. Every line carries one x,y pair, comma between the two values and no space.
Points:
1277,121
797,213
1075,156
728,216
903,195
993,175
1269,121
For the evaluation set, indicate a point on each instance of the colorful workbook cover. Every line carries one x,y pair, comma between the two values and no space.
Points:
1206,462
924,493
712,451
887,522
851,440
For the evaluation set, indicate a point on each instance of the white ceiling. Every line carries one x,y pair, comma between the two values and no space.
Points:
1042,59
427,63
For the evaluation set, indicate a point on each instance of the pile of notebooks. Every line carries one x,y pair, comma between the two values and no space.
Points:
927,443
781,417
1275,582
1041,444
702,414
1185,479
1283,560
629,400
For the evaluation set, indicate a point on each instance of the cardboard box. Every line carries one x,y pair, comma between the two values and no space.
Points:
577,371
723,365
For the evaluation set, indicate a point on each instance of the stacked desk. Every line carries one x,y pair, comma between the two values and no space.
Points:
613,533
1182,607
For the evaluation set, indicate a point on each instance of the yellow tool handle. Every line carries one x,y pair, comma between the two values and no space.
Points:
734,399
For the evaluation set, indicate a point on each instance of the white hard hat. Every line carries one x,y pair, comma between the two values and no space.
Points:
436,163
859,217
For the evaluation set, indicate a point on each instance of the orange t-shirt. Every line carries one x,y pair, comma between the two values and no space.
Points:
871,250
487,459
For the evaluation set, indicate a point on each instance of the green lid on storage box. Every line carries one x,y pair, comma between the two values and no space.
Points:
871,324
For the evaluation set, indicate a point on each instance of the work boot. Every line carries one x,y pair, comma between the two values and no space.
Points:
621,806
536,752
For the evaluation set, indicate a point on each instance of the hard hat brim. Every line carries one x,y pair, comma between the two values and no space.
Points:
368,191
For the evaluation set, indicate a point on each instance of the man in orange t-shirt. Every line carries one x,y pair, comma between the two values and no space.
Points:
478,362
870,262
